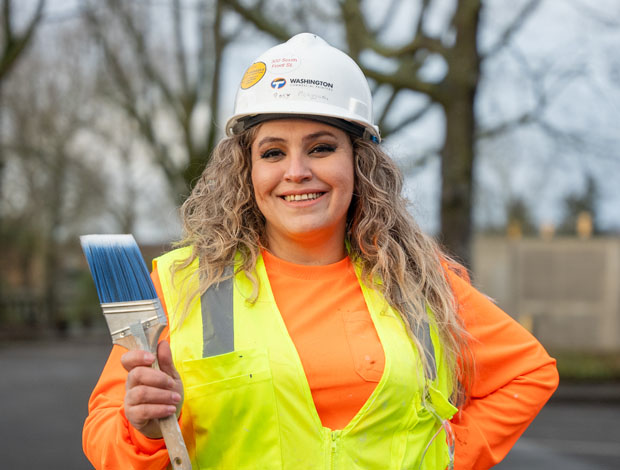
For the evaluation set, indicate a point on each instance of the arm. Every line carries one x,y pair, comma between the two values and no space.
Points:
109,440
514,379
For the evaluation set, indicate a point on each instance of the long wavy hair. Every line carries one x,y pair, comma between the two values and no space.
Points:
221,219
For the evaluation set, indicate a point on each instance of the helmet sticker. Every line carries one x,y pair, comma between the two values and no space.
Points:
284,64
253,74
278,83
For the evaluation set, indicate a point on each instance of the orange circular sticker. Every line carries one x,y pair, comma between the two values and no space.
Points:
253,74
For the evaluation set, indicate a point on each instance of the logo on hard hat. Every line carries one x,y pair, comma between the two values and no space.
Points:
253,74
278,83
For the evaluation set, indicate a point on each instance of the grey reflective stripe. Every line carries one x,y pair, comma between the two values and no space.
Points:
423,333
216,305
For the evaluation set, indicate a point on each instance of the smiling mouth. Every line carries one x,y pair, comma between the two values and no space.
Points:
302,197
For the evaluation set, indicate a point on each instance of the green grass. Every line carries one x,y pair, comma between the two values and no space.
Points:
588,367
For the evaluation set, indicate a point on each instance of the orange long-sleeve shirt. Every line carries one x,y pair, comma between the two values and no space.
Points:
515,377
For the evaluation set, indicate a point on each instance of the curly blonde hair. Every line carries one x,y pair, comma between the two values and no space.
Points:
221,219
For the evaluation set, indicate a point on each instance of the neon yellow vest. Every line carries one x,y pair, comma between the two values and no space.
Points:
251,407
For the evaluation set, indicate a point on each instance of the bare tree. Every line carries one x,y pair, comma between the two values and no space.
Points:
13,44
51,187
163,71
559,128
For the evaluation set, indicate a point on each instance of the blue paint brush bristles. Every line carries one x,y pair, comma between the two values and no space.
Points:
117,267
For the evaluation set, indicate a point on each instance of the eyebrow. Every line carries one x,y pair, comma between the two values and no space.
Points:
315,135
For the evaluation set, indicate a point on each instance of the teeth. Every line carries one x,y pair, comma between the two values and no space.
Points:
301,197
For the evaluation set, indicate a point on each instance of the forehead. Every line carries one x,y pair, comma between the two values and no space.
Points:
295,128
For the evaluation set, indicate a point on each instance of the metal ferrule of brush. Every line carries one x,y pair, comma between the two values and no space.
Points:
146,313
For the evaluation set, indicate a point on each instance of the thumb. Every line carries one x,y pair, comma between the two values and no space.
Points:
164,357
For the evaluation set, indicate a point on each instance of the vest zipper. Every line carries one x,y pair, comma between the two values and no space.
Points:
335,437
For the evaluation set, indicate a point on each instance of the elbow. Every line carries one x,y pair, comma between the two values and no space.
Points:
549,379
86,448
555,377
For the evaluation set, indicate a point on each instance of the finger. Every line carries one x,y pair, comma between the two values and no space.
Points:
164,357
139,415
137,358
144,395
149,377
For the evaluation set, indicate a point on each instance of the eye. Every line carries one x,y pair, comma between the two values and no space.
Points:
323,148
272,153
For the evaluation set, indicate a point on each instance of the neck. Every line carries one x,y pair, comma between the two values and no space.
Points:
308,250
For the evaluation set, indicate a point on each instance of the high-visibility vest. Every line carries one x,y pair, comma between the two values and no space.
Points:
248,404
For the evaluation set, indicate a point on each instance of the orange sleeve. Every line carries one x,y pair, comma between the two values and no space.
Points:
514,379
109,441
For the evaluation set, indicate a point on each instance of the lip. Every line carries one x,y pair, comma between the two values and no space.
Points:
301,191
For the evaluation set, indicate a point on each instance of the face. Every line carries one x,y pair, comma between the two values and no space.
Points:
302,172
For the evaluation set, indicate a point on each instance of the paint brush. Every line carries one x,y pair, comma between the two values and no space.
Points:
132,311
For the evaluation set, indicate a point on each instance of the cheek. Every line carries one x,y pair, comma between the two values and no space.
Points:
348,180
262,180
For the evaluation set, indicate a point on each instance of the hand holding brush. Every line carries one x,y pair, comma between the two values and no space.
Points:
151,394
136,320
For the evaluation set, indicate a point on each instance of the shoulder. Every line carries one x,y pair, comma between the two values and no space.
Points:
171,257
457,276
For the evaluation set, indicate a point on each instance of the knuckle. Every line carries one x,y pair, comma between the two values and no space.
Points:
128,360
143,413
138,374
140,394
135,396
133,378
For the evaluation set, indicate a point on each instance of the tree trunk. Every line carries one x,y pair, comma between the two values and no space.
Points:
52,263
457,164
456,186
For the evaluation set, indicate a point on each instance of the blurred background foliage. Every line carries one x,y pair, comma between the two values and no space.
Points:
109,110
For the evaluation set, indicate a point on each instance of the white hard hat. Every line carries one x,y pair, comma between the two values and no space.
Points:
305,77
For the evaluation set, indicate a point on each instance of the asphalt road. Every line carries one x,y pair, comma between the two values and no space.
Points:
570,435
45,388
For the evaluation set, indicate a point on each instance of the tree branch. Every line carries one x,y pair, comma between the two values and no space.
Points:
410,165
609,20
179,46
519,20
418,114
544,96
525,118
386,109
359,36
255,16
14,44
403,78
118,71
143,59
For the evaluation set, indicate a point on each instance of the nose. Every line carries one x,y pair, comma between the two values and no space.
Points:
297,168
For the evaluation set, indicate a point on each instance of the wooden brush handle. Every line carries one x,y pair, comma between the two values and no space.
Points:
179,458
177,451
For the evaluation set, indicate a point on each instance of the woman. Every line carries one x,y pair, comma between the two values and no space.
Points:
312,324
